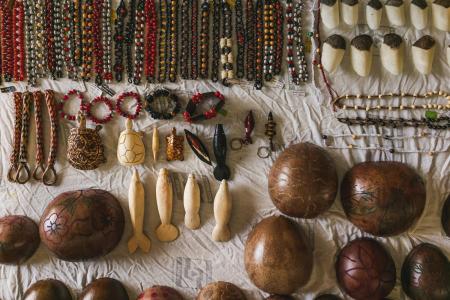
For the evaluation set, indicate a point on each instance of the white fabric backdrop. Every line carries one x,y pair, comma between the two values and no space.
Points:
194,259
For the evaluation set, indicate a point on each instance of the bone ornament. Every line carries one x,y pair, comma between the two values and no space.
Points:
423,54
136,202
350,11
222,213
361,54
333,51
418,10
191,200
166,232
130,148
448,55
395,12
155,143
329,11
391,52
441,14
374,11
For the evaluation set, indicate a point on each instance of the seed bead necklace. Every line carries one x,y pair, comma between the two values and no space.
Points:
240,39
7,42
87,39
185,38
299,42
30,42
58,36
173,40
129,39
139,45
216,41
121,14
163,40
77,35
107,41
68,41
250,40
259,48
268,39
194,39
97,37
279,37
226,45
204,39
41,59
151,24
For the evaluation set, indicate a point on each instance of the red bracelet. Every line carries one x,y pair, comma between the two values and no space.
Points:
66,98
107,102
122,98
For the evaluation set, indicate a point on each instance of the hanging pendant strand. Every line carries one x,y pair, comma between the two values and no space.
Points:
98,44
68,40
7,41
268,39
226,45
163,40
240,40
250,40
185,38
151,24
58,38
107,41
87,39
129,40
204,39
77,36
30,41
300,45
279,37
119,26
194,39
173,44
216,40
139,45
259,44
41,58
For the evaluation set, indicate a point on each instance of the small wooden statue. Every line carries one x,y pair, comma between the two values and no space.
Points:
166,232
222,213
136,202
130,149
191,201
174,147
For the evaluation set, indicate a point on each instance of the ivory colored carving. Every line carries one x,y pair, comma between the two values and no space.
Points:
329,11
395,12
155,144
130,149
418,12
374,12
191,202
441,15
423,54
166,232
333,52
136,202
350,11
222,213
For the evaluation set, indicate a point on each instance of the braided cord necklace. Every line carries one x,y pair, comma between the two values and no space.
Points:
226,45
204,39
23,170
58,36
41,58
139,45
279,37
119,24
250,40
194,39
7,42
14,158
30,41
259,44
98,45
268,39
241,39
87,40
107,41
216,41
185,46
163,40
151,25
173,41
49,176
19,40
39,156
68,40
129,39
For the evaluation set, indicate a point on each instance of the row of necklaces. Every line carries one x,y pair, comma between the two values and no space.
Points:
151,41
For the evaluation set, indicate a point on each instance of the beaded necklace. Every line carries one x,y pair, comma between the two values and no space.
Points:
268,39
129,39
299,43
226,45
173,57
121,14
7,42
77,34
19,40
438,123
250,40
107,41
151,24
241,39
87,40
30,41
204,40
293,34
279,37
41,59
58,38
139,45
68,41
49,45
216,41
185,38
163,40
259,44
97,37
194,39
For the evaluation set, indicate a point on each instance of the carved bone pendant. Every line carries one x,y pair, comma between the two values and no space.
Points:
130,149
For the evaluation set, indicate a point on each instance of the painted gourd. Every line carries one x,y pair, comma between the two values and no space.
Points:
82,224
130,148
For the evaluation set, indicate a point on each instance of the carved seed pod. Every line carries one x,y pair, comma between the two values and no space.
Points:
220,290
383,198
303,181
426,273
365,270
48,289
160,292
19,239
446,216
104,289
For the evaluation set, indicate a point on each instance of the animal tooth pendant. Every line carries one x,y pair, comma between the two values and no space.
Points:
222,213
166,232
191,202
329,11
374,11
333,51
221,171
174,147
136,202
155,143
130,149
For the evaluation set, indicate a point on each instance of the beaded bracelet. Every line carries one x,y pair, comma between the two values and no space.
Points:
120,101
139,46
259,44
40,33
226,45
88,17
162,94
97,100
196,100
58,39
69,39
163,40
268,39
215,41
67,98
173,40
30,42
279,37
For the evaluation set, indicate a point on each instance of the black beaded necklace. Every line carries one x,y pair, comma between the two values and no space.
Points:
216,41
259,44
226,44
241,39
129,40
250,40
194,39
121,14
204,40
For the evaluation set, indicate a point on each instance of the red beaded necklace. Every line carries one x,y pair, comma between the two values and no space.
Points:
19,40
51,59
150,46
97,36
7,42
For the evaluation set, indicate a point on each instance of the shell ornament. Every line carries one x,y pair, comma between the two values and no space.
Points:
130,148
85,148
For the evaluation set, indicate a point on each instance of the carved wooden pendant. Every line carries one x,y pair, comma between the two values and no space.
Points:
130,149
166,232
197,147
174,146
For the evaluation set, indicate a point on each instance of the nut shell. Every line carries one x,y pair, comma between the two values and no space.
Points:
446,216
220,290
365,270
426,273
160,292
19,239
104,289
82,224
383,198
278,263
48,289
303,181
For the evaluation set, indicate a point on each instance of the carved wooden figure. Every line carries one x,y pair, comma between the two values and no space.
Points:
166,232
155,144
136,202
130,149
174,146
191,201
222,213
